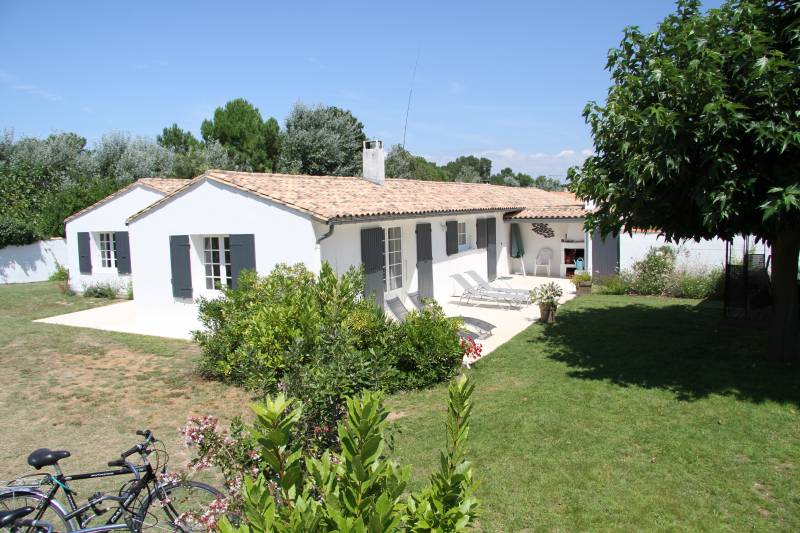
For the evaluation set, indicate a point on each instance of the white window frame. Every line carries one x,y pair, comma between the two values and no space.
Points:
463,241
393,270
223,261
107,250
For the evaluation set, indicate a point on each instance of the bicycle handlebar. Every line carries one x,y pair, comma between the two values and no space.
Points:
139,448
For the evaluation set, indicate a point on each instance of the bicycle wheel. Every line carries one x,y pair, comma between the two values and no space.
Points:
52,514
190,497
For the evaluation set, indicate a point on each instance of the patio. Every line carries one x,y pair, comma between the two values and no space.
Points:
176,322
508,321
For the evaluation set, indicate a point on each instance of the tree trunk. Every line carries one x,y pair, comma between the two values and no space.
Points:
784,335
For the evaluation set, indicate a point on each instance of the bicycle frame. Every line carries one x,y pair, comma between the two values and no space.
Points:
60,481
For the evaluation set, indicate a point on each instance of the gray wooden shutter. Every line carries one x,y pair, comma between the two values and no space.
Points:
243,255
181,266
424,261
480,227
373,257
123,246
491,249
605,254
84,253
451,238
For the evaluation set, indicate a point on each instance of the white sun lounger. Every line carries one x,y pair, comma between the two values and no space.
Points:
523,293
476,292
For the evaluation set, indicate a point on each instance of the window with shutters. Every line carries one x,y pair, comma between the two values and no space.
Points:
463,244
393,270
108,250
217,261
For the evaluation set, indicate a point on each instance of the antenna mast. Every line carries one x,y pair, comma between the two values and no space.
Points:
410,91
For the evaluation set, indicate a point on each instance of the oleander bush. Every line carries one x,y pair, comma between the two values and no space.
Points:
276,485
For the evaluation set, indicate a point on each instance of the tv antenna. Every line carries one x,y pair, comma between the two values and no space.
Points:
410,92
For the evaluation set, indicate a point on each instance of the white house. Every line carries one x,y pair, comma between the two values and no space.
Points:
97,238
409,235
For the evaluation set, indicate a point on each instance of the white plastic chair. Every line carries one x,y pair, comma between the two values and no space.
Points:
543,260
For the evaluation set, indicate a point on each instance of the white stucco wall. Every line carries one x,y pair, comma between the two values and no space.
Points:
281,235
534,243
108,217
343,250
32,262
691,254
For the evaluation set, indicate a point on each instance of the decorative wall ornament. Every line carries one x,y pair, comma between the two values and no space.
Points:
543,229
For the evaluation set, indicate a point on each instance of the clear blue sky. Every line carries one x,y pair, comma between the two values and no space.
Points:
503,79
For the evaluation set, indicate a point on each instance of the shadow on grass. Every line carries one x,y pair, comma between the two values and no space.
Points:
680,347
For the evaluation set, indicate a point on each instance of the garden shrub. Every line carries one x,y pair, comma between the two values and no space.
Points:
101,289
316,339
424,348
616,284
653,275
698,284
276,485
61,273
657,275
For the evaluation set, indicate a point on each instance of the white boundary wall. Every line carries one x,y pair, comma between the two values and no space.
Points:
708,253
32,262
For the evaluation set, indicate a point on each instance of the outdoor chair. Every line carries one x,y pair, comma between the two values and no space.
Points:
524,293
543,259
483,328
397,308
476,292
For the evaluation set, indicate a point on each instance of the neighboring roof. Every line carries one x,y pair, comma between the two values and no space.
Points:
162,185
339,199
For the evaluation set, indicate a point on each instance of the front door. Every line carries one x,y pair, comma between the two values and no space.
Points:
491,249
424,261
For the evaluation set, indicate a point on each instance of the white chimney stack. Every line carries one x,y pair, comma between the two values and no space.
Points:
374,162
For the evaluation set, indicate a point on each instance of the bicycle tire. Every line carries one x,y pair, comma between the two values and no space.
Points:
22,498
185,496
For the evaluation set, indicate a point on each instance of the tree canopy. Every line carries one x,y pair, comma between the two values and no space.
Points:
252,143
699,136
322,140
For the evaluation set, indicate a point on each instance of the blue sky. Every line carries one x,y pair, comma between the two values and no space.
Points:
503,79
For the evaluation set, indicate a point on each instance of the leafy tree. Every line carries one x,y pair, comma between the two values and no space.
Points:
469,168
71,198
400,163
178,140
252,143
548,184
126,158
322,140
200,158
700,137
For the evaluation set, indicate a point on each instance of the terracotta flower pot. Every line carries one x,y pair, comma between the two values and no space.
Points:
548,313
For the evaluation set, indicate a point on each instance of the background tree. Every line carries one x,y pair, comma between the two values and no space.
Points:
178,140
700,137
322,140
251,143
469,168
546,183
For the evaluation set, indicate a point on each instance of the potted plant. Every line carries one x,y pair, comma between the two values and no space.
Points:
546,297
583,283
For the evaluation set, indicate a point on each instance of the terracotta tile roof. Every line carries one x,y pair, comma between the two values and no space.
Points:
565,211
338,199
163,185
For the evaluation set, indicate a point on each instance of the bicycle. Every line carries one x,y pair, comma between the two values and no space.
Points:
178,499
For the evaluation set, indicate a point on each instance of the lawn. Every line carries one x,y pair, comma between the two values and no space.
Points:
628,414
632,414
88,391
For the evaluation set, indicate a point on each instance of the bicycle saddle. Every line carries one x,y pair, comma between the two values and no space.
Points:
7,518
46,457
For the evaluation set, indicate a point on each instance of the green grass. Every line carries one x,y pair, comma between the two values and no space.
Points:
88,391
630,413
